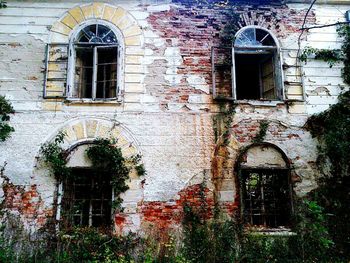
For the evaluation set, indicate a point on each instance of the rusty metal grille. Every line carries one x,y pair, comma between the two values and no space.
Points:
87,198
266,197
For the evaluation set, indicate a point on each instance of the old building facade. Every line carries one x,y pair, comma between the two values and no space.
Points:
166,81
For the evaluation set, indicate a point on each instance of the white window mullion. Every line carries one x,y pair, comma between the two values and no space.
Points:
94,76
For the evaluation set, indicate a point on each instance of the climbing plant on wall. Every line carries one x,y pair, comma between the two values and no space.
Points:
332,129
5,110
105,156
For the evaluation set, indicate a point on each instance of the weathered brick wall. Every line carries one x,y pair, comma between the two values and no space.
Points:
167,110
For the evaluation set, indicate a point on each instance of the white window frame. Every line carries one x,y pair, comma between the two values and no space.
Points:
72,61
279,80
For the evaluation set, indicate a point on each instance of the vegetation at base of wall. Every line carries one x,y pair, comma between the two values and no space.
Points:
332,129
203,240
5,109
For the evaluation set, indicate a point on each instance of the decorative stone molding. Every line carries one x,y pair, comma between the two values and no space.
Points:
132,36
79,133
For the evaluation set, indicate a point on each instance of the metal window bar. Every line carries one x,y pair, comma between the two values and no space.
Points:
261,204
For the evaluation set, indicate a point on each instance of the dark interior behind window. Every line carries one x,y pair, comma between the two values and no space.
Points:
266,197
86,200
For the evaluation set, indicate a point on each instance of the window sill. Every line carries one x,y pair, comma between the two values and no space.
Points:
263,231
92,102
269,103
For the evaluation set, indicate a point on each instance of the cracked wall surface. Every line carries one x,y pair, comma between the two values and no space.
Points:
167,109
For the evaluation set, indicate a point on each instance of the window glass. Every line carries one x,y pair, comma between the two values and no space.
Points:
96,63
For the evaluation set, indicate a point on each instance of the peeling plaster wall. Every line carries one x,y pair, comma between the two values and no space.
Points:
167,109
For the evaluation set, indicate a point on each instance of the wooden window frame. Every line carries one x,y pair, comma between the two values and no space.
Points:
277,62
72,61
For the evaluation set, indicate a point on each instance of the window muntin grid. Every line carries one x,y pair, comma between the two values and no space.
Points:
266,197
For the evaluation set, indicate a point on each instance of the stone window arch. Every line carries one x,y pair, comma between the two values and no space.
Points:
59,70
256,66
265,186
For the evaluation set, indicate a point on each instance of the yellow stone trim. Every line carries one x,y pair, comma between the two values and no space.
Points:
103,131
91,127
133,69
61,28
58,38
79,130
69,21
133,41
122,142
129,151
119,14
131,60
52,106
70,135
134,87
98,9
77,14
116,15
133,78
132,31
108,12
88,11
124,23
115,133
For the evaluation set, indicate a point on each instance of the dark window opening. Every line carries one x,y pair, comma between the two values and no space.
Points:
255,77
83,72
266,197
86,200
106,72
256,66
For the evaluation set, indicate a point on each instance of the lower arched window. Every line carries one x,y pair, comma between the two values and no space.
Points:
265,187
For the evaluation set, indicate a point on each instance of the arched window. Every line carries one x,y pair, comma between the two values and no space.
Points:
86,196
95,63
257,72
265,188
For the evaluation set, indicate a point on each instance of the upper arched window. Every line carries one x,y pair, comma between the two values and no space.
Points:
95,63
257,72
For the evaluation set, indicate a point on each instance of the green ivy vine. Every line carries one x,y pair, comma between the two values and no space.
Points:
106,158
5,109
3,4
262,132
332,129
333,56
